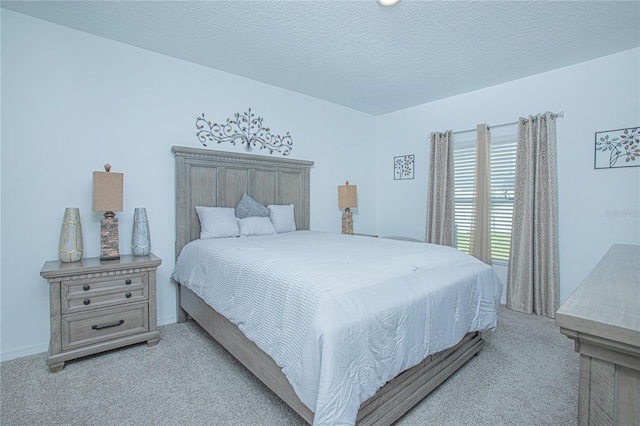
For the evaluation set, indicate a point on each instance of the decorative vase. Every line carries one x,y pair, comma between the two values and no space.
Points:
70,248
140,239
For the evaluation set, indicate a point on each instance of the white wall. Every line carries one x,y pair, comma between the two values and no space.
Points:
596,207
0,187
72,102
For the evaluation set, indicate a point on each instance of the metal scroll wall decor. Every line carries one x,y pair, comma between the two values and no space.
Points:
246,130
617,148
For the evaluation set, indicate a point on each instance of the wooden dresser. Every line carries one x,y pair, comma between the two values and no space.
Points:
603,317
97,306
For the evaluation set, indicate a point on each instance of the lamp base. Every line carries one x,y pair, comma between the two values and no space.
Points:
109,241
347,222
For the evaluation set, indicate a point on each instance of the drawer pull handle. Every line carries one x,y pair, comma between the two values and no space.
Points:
107,325
128,295
87,301
86,287
127,282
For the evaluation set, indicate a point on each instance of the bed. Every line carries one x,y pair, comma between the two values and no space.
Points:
219,179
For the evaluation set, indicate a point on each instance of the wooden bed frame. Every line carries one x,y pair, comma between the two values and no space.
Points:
214,178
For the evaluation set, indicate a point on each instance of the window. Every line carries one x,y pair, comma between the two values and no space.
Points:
464,159
503,163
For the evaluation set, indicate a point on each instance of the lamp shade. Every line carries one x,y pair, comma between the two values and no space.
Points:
347,196
107,191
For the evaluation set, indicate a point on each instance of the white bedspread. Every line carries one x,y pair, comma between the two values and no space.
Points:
341,314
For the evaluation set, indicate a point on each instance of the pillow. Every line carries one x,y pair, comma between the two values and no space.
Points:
217,222
248,207
282,218
255,225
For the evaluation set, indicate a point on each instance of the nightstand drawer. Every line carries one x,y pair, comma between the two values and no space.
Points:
93,327
82,295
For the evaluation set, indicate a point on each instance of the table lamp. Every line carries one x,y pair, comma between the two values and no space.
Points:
107,197
347,198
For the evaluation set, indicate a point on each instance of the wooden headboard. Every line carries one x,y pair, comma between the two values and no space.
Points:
218,179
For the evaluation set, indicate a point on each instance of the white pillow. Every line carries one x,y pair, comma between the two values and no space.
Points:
255,225
282,218
217,222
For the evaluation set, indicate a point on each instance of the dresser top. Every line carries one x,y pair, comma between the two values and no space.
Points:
55,268
607,303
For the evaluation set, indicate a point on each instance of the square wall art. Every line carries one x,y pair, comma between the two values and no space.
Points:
403,167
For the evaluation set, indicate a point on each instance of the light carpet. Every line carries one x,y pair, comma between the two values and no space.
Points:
527,374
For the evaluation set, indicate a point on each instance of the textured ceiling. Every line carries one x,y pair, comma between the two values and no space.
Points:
357,53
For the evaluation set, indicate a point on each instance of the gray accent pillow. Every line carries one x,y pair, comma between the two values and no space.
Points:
248,207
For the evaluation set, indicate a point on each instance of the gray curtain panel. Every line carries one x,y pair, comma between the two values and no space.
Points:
481,232
440,191
533,275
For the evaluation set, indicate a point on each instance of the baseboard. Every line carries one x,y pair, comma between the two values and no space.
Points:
166,320
19,353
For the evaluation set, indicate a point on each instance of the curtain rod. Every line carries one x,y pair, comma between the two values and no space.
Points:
559,114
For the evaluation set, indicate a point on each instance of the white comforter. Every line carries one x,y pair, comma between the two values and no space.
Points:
341,314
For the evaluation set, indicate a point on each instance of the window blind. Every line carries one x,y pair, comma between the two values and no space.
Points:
503,171
503,158
464,160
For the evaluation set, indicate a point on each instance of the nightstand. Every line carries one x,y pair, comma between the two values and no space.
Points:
98,306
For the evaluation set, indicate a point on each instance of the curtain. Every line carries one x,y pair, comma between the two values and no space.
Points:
440,194
481,231
533,274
